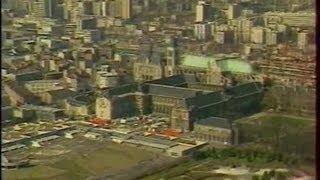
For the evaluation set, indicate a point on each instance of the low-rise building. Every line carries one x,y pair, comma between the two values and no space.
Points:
214,129
57,97
44,113
18,94
79,105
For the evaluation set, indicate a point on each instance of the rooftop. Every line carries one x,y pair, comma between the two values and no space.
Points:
41,108
176,80
226,64
171,91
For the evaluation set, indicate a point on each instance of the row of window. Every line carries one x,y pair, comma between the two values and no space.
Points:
164,99
146,77
212,138
162,109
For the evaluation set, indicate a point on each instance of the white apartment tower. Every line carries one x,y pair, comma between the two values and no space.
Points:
126,9
103,108
302,40
234,11
201,11
257,35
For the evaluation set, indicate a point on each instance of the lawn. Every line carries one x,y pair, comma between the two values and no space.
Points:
290,134
88,158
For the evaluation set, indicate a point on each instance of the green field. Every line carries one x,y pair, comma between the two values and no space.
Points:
87,158
289,134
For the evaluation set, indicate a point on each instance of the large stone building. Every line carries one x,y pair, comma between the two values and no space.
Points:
172,97
155,60
147,70
122,101
299,19
80,105
214,129
19,94
202,11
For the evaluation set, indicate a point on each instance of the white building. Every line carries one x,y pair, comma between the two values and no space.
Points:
202,31
201,11
234,11
271,37
106,77
103,108
257,35
126,9
302,40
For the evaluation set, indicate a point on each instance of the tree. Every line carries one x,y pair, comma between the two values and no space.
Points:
266,176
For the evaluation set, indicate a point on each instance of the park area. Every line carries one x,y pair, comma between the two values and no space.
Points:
279,133
282,144
78,158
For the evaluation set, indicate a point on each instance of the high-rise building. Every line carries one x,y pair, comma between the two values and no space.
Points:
202,10
97,8
45,8
304,19
38,9
271,37
245,28
112,9
202,31
302,40
234,11
224,37
50,7
60,12
118,8
87,23
126,9
104,8
257,35
103,108
87,8
171,55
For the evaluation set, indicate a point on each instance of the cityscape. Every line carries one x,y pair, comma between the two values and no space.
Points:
158,89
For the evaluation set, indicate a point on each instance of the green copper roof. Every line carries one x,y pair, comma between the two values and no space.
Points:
233,65
198,61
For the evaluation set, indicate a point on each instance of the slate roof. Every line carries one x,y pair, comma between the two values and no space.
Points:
191,78
40,108
215,122
171,91
21,90
29,76
81,99
205,99
62,93
244,89
123,89
176,80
